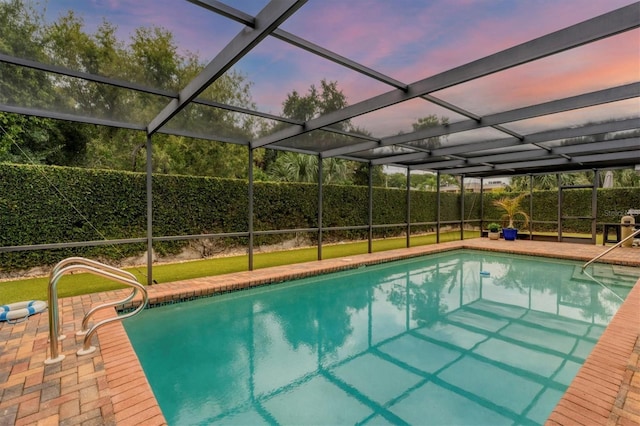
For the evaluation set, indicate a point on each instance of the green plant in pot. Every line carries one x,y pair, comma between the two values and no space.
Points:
494,231
511,210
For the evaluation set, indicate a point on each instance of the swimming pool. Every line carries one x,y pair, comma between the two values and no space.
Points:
455,338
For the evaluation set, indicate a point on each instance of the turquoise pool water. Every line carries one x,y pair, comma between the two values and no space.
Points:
462,337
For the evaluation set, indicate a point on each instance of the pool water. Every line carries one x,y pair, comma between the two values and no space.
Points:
462,337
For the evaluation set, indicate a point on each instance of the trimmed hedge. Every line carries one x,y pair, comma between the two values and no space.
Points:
37,207
45,204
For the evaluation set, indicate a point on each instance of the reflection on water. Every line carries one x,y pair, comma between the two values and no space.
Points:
457,338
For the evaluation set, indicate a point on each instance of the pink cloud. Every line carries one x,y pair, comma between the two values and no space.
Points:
607,63
408,40
439,37
368,32
488,33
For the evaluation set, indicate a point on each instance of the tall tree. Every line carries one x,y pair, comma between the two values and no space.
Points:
423,182
540,182
151,58
25,139
318,101
425,123
21,36
294,167
627,178
361,175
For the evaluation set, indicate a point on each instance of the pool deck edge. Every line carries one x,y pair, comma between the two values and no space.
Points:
110,387
606,390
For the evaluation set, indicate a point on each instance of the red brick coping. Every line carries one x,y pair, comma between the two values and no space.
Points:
606,390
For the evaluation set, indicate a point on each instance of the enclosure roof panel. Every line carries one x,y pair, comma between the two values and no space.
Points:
506,88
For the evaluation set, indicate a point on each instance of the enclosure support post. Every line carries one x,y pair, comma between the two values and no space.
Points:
530,207
408,207
149,170
250,208
370,208
481,205
594,205
438,207
319,206
559,207
462,207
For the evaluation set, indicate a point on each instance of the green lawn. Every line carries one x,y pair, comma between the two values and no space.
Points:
76,284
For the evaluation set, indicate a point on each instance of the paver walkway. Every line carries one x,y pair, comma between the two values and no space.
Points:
110,388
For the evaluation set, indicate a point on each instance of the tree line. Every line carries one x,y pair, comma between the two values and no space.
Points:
151,58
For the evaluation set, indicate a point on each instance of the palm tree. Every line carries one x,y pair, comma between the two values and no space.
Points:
294,167
626,178
511,207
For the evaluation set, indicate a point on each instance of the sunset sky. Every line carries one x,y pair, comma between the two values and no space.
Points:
405,39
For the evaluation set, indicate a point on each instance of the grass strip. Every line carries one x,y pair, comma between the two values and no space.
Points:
77,284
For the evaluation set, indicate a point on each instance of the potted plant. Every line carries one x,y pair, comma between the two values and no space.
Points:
494,231
511,208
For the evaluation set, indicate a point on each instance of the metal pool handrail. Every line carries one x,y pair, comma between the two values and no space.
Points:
91,266
606,287
618,244
95,264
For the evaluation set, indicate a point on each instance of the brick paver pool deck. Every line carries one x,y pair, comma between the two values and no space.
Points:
110,388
